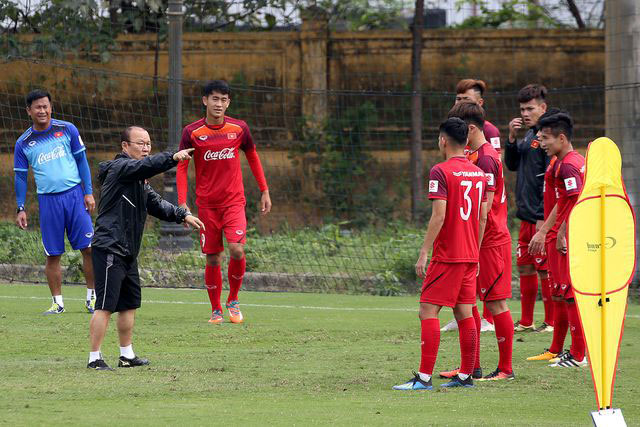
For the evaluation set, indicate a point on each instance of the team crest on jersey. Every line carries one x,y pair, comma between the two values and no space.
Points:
570,184
491,179
203,137
495,142
232,135
433,186
535,144
483,290
58,134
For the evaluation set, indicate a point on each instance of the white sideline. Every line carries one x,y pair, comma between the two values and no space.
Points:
301,307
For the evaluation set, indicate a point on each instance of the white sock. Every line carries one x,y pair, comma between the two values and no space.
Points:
424,377
91,294
127,352
58,300
94,355
463,376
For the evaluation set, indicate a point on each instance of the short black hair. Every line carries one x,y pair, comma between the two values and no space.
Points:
532,91
557,121
219,86
36,94
456,130
126,134
470,112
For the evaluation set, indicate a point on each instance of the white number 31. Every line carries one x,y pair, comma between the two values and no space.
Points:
466,212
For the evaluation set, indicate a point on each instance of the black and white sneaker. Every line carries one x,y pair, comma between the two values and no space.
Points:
123,362
568,361
99,365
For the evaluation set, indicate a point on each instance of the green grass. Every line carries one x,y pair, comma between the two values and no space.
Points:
298,359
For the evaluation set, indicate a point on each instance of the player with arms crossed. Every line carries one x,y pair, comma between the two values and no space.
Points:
55,151
566,177
217,140
458,218
530,162
494,279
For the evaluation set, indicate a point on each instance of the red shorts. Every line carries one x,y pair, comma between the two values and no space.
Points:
231,220
559,266
527,230
448,284
494,280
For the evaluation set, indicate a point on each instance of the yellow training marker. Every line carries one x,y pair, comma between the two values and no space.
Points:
601,245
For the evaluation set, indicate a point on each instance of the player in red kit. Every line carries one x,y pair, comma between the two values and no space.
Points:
458,218
567,177
472,90
493,284
217,140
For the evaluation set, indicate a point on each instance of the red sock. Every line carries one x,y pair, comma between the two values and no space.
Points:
528,295
430,337
468,337
237,268
560,326
478,324
504,335
545,285
577,338
486,314
213,282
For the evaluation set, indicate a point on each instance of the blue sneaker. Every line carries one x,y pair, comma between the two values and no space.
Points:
457,382
415,383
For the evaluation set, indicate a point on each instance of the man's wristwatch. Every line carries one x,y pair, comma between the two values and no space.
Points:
20,209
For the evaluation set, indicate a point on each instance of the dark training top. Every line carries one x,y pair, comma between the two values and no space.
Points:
125,200
529,160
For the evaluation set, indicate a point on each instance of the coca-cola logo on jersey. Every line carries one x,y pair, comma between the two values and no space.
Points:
56,153
225,153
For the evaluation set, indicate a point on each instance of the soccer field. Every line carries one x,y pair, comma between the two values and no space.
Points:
298,359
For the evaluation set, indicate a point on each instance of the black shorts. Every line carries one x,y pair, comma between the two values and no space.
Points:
117,281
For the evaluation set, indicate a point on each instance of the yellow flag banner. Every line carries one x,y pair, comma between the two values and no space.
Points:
601,245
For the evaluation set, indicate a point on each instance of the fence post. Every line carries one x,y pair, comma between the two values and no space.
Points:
415,157
174,236
622,96
314,39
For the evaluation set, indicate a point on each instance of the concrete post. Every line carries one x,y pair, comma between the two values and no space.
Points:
314,39
622,94
174,236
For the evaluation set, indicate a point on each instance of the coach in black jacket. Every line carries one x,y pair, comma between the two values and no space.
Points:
528,159
125,200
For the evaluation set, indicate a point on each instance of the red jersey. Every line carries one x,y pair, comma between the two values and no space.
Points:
568,182
217,161
492,134
497,231
463,186
549,194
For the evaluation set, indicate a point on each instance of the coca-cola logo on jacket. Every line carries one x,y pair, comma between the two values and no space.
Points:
225,153
54,154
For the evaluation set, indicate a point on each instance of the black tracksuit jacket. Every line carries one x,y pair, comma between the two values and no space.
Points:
125,200
529,160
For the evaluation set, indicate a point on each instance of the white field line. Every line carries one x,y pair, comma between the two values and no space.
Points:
298,307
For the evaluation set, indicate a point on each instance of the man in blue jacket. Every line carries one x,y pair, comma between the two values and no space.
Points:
55,151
